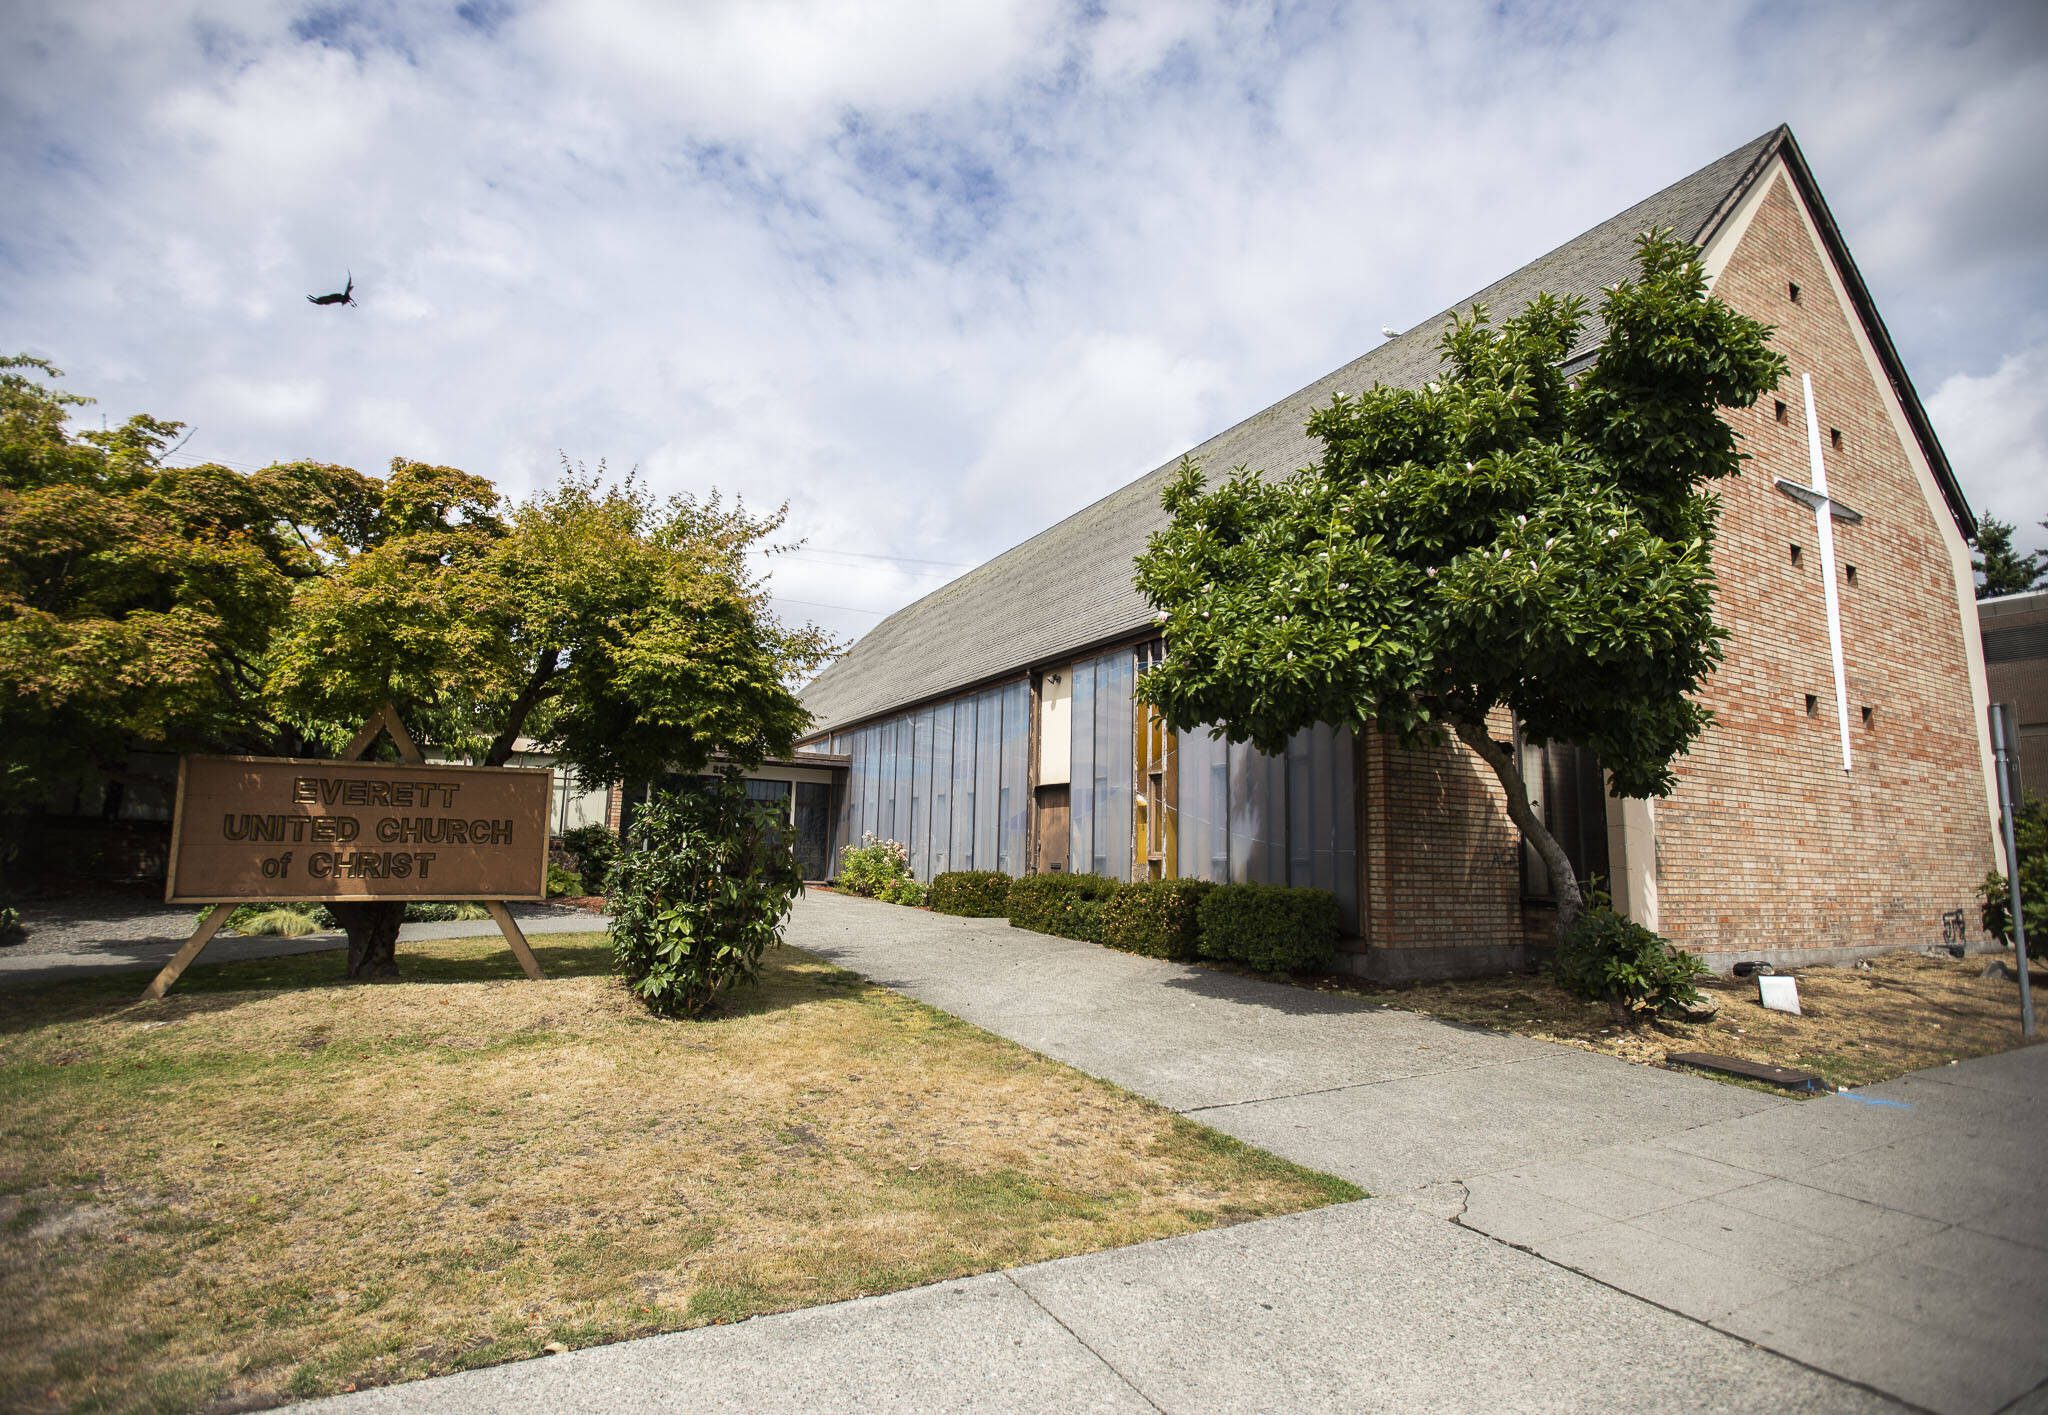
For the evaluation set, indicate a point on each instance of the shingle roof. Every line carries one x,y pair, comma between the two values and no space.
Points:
1069,586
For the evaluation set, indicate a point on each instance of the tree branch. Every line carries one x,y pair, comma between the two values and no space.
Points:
530,697
1502,760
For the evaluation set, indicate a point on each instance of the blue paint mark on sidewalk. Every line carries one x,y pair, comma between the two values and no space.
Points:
1872,1100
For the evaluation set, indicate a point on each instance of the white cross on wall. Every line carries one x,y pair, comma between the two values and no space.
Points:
1826,511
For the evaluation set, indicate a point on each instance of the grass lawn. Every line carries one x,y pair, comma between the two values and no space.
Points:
1861,1025
272,1185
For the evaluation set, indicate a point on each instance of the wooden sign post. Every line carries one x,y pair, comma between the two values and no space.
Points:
293,829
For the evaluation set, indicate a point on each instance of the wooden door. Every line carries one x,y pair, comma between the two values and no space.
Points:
1052,828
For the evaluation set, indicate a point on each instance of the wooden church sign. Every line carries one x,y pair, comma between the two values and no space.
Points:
302,830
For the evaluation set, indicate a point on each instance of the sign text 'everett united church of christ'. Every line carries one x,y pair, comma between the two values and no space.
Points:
254,828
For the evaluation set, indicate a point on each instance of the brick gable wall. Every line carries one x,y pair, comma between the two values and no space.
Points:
1768,843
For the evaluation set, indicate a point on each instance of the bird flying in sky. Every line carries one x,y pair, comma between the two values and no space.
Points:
345,296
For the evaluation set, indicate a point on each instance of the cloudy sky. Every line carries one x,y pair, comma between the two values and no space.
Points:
936,274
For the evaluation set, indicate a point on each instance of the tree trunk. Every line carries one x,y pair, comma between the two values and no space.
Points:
1502,760
10,847
372,938
538,686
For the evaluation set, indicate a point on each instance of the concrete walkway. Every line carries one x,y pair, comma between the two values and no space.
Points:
1552,1229
67,943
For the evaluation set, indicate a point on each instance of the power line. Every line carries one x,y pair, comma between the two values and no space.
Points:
814,604
869,555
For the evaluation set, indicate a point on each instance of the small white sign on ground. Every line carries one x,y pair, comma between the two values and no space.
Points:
1778,993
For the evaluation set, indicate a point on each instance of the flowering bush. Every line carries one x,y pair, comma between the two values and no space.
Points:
877,868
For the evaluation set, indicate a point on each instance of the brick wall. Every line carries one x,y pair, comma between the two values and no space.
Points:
1768,842
1438,857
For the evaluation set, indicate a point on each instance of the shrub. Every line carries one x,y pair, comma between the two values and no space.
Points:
1063,904
593,848
276,921
870,867
563,882
1634,970
1155,917
11,930
2030,837
703,891
285,920
902,891
1270,927
972,894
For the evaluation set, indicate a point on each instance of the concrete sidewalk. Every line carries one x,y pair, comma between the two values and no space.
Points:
1369,1306
1897,1239
1553,1229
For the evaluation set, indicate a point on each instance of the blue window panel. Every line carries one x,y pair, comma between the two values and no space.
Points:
988,779
1081,792
1204,823
1015,789
939,850
960,844
1304,793
1258,816
896,784
920,837
1111,760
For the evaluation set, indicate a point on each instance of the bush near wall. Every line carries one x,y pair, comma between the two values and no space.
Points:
593,848
1635,971
1156,917
876,868
1063,904
1270,927
972,894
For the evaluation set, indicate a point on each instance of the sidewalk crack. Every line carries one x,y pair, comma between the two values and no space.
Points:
1108,1364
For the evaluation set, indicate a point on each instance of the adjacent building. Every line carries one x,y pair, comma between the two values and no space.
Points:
1834,808
2016,664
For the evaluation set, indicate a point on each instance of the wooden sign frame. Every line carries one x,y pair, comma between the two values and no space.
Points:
383,721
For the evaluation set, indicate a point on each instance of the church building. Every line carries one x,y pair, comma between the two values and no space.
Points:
1841,803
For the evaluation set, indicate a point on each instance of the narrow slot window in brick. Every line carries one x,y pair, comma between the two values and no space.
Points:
1835,437
1813,704
1868,715
1779,410
1851,574
1792,290
1795,555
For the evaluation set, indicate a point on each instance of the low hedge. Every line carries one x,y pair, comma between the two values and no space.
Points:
1270,927
1155,917
1063,904
972,894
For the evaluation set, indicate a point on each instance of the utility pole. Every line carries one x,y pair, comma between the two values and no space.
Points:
2002,735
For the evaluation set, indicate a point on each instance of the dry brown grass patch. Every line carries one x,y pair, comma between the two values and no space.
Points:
1860,1024
265,1187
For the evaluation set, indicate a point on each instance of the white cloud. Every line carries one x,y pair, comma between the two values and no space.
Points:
786,69
933,273
1995,429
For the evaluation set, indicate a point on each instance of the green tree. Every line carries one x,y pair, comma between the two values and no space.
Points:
1505,537
2001,568
625,634
206,610
137,599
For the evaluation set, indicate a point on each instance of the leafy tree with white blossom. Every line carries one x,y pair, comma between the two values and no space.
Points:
1508,536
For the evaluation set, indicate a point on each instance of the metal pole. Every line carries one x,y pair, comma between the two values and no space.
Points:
2008,796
